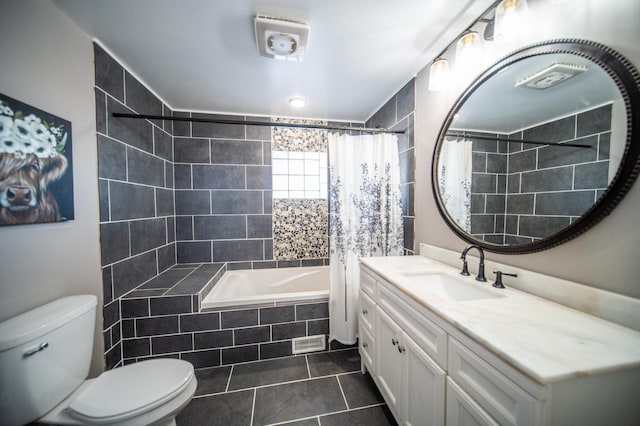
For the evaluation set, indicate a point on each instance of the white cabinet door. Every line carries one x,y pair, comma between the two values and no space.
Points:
367,352
423,386
388,360
464,411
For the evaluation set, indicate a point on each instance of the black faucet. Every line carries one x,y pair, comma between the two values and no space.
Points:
498,281
465,269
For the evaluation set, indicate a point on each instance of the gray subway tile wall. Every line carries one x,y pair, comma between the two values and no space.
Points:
157,326
540,188
135,181
223,182
398,114
176,193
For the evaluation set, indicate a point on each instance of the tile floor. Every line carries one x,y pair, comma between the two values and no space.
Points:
323,388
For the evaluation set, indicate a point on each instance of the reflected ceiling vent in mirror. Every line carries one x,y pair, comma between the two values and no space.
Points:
550,76
280,38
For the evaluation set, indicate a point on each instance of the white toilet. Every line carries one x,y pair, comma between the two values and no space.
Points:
44,362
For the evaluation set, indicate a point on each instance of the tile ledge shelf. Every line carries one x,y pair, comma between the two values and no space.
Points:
193,279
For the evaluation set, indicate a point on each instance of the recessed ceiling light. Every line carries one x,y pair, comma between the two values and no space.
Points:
297,102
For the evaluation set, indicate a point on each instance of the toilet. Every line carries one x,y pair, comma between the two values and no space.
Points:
45,356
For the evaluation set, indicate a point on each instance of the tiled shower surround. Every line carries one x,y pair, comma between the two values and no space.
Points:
180,203
398,114
523,192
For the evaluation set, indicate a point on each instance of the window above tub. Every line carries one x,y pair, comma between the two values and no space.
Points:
298,174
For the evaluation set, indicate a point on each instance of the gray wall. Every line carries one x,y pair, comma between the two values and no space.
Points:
523,192
135,169
398,114
47,62
604,256
223,192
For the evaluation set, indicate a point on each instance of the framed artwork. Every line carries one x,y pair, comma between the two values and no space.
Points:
36,173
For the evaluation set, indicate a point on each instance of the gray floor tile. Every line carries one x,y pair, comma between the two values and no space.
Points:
268,372
326,363
226,409
281,403
306,422
212,380
372,416
359,390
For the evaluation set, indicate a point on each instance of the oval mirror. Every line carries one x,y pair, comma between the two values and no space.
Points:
540,147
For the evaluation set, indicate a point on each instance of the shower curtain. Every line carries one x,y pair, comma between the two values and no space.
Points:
365,219
454,180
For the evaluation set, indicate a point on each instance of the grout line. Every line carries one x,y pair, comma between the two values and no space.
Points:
295,420
342,392
226,389
306,358
253,406
262,386
206,395
327,414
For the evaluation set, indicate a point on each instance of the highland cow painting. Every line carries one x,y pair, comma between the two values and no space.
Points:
36,173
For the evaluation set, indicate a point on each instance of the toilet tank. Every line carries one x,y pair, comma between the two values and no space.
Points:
45,354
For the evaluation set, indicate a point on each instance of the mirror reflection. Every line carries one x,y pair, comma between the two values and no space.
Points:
531,149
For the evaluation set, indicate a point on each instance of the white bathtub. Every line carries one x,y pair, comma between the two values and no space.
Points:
268,286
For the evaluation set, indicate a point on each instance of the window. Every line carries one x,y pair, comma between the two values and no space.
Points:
298,174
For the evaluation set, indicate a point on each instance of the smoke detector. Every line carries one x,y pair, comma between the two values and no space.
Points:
281,39
550,76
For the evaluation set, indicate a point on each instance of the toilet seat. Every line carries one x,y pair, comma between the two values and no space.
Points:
129,391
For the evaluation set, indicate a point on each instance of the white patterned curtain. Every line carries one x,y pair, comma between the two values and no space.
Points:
365,219
454,179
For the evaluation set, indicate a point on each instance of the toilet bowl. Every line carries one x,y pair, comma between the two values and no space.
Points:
146,393
44,363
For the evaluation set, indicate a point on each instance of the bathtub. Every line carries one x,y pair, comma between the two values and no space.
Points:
268,287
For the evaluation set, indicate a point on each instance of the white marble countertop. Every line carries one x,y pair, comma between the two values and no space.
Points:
546,341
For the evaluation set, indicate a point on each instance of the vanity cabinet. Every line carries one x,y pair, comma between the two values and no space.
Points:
412,383
366,333
430,372
425,375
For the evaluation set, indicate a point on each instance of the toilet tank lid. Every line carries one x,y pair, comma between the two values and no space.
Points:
43,319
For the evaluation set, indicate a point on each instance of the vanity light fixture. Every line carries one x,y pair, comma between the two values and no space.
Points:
297,102
508,18
438,74
468,50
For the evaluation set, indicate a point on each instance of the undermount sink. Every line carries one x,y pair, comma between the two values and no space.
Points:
449,286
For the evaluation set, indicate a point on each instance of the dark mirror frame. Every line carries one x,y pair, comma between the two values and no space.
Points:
626,78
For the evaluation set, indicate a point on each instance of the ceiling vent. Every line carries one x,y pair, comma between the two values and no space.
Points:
550,76
281,39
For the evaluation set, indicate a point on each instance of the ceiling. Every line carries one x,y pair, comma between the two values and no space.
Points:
498,106
201,55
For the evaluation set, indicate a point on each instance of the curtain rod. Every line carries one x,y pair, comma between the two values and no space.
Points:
501,139
257,123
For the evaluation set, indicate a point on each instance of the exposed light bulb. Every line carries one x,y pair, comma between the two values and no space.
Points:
438,74
468,50
509,18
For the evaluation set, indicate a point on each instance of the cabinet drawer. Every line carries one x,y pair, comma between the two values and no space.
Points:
367,283
368,350
367,313
431,338
462,410
500,397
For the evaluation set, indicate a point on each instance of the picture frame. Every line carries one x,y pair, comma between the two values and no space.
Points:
36,165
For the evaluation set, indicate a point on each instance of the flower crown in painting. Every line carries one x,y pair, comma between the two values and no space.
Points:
21,135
